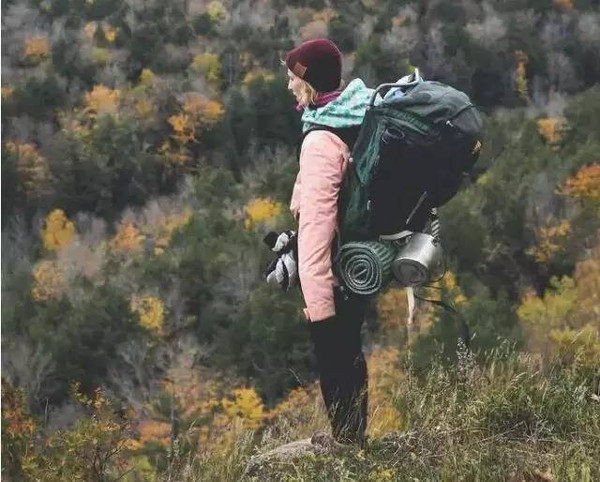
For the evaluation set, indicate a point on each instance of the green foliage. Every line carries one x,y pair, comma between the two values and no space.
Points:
104,170
262,343
490,321
38,97
83,335
341,31
377,64
203,24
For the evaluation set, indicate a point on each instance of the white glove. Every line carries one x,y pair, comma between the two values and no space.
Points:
285,273
283,240
284,269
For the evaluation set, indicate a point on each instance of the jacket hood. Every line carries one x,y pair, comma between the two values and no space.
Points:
346,111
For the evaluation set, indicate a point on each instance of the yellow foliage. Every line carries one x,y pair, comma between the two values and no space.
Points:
325,15
48,281
566,320
203,111
90,30
59,231
564,5
247,60
261,210
102,100
552,130
153,431
296,399
541,315
198,112
100,56
144,109
16,422
299,407
216,11
72,454
314,29
183,127
483,180
381,475
521,74
551,242
168,226
392,309
151,312
194,388
578,347
7,91
147,77
179,155
213,112
33,168
383,377
110,34
256,74
127,239
552,310
247,406
243,410
587,280
369,4
209,65
37,48
585,185
450,287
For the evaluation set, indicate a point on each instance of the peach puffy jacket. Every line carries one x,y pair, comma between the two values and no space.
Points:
323,162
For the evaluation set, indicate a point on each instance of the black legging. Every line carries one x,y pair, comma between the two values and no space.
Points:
342,368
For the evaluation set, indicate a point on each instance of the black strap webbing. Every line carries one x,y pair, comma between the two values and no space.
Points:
348,135
466,336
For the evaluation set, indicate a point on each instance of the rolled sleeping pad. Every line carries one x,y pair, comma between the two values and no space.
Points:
365,267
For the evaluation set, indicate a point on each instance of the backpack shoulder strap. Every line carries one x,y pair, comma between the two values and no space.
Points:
348,135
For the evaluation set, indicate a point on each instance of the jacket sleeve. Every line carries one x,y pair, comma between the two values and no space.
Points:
322,163
295,201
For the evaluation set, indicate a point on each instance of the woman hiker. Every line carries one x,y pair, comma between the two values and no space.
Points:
334,317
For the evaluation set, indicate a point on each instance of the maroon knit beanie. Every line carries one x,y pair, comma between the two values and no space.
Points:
318,62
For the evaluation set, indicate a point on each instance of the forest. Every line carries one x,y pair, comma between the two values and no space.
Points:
147,148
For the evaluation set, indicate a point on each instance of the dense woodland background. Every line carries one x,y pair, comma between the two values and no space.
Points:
148,145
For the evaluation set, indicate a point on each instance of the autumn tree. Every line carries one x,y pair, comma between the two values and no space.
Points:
58,231
18,430
198,114
94,449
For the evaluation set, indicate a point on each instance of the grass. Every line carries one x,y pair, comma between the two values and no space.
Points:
507,419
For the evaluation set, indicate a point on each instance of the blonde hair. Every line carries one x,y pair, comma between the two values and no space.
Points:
308,94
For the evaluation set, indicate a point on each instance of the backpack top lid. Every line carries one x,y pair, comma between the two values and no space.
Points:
439,104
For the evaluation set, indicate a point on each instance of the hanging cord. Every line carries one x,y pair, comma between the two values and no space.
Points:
435,229
435,224
450,308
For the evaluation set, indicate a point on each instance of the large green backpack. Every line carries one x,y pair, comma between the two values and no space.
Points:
412,152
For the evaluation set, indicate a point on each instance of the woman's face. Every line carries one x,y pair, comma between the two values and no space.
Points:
295,85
